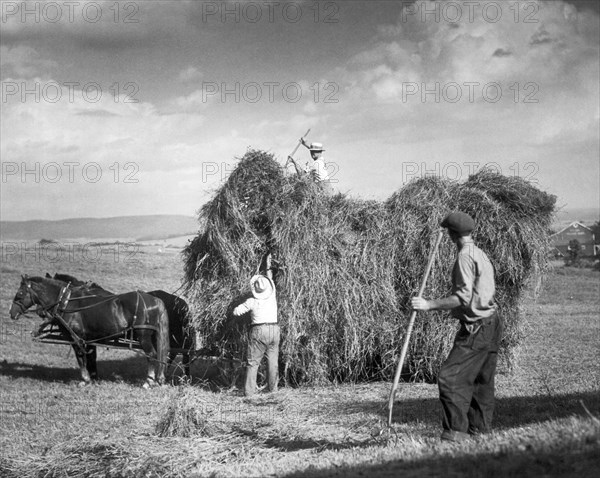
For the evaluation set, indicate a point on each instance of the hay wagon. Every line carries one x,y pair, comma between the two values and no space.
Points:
124,340
349,266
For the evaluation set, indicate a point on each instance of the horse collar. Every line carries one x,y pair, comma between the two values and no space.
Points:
63,298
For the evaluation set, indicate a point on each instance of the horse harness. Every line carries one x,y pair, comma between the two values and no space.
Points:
59,309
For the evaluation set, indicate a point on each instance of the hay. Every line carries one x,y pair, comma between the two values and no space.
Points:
350,266
187,417
246,437
97,457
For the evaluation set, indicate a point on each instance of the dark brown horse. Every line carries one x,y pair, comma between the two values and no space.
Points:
182,335
88,319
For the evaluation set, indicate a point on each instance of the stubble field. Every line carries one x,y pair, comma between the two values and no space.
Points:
546,421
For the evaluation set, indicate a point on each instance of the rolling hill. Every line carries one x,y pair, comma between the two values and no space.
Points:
123,227
158,227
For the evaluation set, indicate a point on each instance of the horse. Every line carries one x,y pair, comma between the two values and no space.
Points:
89,318
182,335
90,350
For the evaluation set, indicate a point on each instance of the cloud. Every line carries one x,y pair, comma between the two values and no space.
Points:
106,130
193,103
103,113
414,50
506,91
540,37
97,25
395,95
500,52
105,155
24,62
190,74
421,68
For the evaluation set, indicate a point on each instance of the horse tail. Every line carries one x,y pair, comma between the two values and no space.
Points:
189,332
189,339
162,342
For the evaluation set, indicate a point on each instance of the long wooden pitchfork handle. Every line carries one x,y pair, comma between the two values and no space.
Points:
411,323
291,156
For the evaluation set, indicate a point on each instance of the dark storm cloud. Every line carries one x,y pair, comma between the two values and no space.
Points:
500,52
583,5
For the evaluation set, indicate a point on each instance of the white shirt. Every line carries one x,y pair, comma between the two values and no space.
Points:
262,311
319,168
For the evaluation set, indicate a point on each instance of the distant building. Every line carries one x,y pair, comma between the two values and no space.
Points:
574,231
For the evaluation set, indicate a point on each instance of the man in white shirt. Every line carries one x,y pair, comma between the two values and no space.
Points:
264,334
317,169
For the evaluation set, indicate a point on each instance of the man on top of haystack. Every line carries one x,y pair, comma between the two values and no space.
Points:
466,379
317,168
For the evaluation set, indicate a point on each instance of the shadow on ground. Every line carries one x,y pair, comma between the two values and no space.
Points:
131,370
570,461
510,411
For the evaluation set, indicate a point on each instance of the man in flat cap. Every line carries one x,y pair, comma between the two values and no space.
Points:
466,379
264,334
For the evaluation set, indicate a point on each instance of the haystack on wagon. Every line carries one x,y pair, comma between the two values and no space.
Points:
350,266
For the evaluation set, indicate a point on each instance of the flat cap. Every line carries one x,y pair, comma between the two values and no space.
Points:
459,222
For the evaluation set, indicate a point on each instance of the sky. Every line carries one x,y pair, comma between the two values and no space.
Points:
142,107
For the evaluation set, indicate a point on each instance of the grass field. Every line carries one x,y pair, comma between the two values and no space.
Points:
546,421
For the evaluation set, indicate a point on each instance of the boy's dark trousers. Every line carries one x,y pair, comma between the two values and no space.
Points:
466,379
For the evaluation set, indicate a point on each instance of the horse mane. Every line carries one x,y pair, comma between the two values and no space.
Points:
42,280
68,278
77,282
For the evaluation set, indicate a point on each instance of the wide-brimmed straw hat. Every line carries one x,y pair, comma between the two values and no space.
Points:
262,287
316,147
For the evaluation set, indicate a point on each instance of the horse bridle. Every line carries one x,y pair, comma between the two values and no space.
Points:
64,293
22,309
34,295
30,291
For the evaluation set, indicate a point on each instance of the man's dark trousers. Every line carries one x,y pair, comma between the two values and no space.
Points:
466,380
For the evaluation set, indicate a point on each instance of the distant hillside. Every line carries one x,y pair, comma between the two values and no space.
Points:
124,227
159,227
